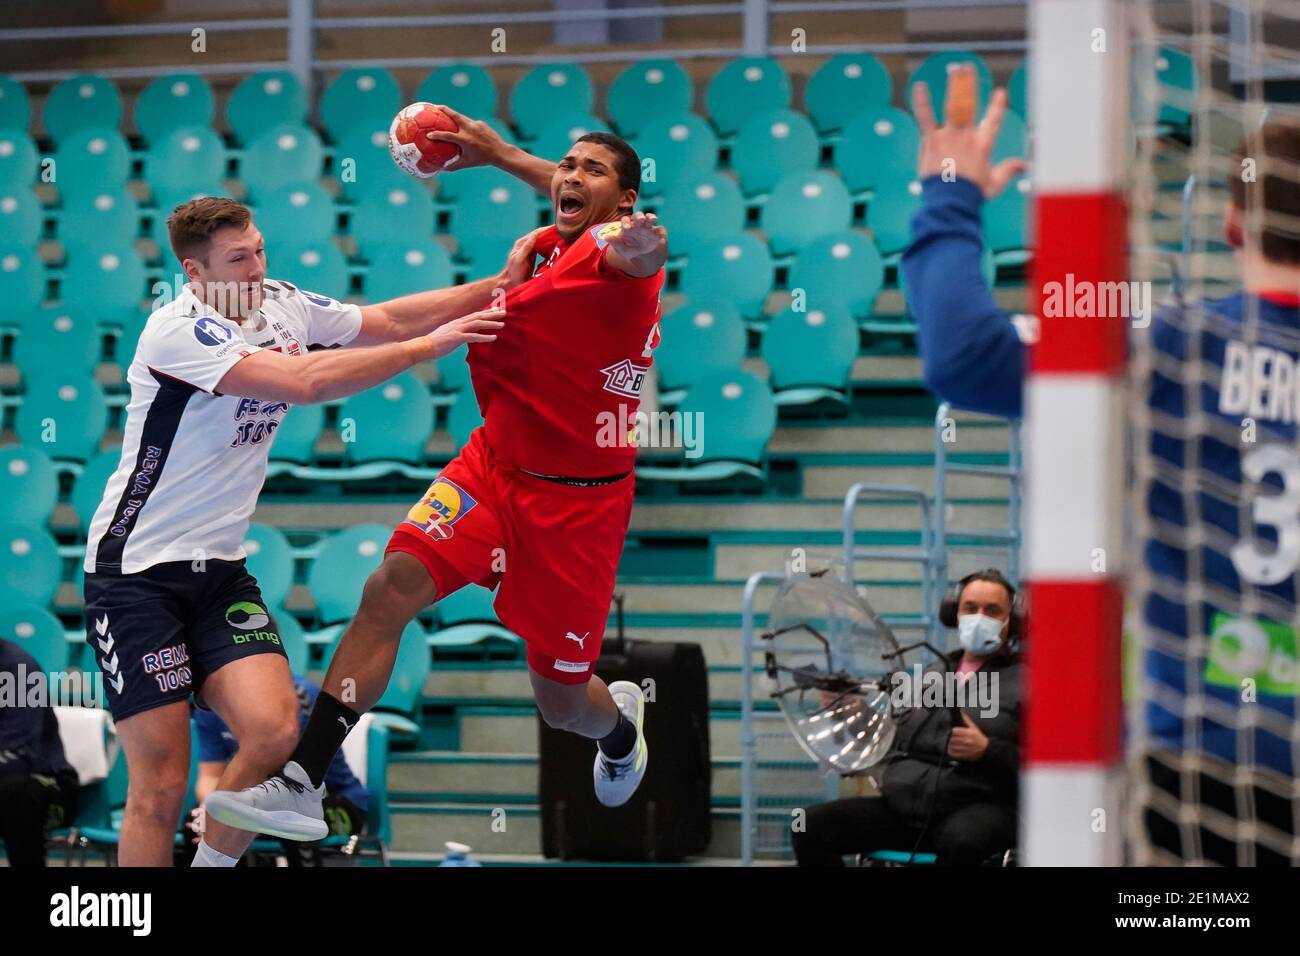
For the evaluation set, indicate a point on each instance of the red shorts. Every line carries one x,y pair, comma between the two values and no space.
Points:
553,549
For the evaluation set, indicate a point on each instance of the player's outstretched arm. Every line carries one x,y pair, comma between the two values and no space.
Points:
419,314
640,247
971,353
481,145
326,375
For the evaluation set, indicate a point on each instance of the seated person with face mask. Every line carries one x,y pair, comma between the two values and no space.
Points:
949,783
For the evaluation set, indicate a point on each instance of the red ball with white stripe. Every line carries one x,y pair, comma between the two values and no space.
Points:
409,143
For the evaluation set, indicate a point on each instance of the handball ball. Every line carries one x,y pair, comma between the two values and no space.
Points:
408,141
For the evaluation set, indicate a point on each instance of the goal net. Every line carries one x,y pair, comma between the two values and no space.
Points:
1212,742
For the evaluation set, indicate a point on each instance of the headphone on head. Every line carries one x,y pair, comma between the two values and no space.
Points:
952,600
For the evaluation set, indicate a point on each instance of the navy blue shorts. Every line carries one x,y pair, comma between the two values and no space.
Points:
157,634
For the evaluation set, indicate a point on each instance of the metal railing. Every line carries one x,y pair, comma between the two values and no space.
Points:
301,25
931,556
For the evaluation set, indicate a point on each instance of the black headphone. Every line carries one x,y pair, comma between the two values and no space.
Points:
948,606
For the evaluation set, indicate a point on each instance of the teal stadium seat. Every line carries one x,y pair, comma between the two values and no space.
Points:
410,670
1006,218
879,146
1013,139
843,267
1174,71
293,639
295,439
361,96
106,279
89,486
846,85
770,145
743,88
111,216
65,417
263,101
740,416
29,564
319,266
403,211
390,422
33,628
453,370
15,104
22,280
404,266
29,485
933,71
167,198
555,138
1018,90
342,565
82,102
465,87
186,157
700,337
805,205
58,344
270,561
645,90
90,161
890,212
22,219
363,164
703,211
490,214
738,268
18,159
472,604
297,209
284,154
534,98
173,102
810,354
463,417
675,149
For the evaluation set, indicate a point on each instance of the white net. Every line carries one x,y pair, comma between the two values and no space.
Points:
1214,675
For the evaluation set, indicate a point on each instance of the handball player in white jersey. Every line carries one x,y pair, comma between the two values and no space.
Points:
170,609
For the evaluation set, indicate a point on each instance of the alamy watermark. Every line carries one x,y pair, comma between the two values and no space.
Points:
21,688
932,688
1084,299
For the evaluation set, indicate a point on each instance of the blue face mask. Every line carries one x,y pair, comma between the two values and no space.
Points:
979,634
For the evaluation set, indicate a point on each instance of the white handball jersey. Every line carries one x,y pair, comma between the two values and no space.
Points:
193,460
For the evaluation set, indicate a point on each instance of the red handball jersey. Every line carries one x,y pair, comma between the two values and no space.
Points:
560,387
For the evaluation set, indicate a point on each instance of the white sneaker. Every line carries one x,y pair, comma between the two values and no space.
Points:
617,780
286,806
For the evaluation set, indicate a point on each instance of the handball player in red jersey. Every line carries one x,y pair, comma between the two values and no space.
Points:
538,501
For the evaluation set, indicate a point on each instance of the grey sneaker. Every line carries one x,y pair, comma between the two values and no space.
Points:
286,806
617,780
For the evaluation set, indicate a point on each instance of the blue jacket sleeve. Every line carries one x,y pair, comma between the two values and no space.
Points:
213,747
971,354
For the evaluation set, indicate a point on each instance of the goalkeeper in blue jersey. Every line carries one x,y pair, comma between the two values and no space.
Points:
1221,495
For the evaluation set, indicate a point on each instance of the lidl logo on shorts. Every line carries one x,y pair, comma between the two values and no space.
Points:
1264,651
211,333
442,506
246,616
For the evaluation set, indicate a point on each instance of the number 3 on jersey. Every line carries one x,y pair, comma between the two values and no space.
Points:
1280,511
